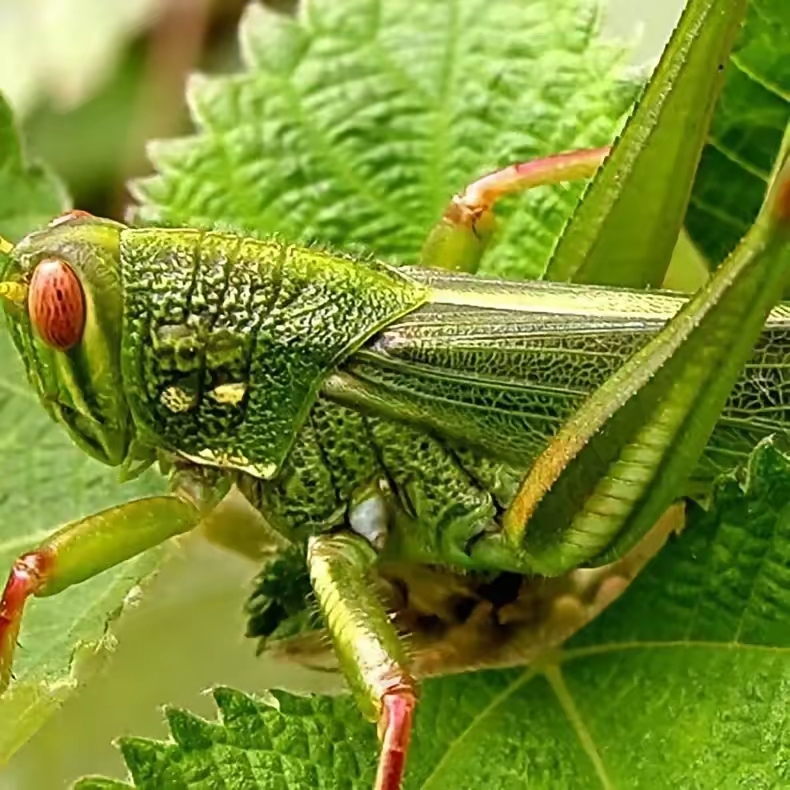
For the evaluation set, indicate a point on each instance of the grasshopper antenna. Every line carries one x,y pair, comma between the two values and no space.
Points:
12,291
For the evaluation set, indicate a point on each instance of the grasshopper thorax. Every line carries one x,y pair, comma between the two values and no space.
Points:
227,340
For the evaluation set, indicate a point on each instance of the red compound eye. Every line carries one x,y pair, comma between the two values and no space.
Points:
56,304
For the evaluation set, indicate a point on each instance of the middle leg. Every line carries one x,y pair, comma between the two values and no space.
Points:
368,647
457,242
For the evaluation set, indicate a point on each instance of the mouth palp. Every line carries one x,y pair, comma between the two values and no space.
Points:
81,426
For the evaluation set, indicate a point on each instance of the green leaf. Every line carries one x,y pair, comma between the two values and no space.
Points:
355,123
746,133
44,481
30,195
683,682
63,48
628,223
283,742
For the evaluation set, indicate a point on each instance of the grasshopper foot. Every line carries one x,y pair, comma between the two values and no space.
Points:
27,576
395,730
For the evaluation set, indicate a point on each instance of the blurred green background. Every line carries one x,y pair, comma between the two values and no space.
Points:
92,81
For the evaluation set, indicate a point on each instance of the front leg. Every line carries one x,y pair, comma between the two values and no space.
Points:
84,548
370,652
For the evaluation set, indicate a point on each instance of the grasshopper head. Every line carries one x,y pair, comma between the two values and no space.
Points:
63,298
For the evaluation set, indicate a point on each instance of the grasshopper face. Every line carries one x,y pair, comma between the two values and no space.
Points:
63,300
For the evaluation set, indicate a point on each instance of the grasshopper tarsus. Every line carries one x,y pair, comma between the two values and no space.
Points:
27,576
396,722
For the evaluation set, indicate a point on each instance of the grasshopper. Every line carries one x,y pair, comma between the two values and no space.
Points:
375,414
414,416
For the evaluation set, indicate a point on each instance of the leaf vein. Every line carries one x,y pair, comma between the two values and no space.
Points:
737,159
557,682
520,681
611,647
719,214
761,80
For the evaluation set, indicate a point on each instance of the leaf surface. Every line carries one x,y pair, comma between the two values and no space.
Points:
746,133
31,195
355,123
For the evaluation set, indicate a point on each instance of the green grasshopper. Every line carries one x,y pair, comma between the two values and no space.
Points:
377,414
415,417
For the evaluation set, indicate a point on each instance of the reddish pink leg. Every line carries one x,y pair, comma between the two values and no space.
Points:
68,216
458,241
395,730
84,548
27,577
481,195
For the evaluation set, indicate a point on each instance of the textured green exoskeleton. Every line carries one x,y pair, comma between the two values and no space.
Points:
323,384
381,416
374,413
227,340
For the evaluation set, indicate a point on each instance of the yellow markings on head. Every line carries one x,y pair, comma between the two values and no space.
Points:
231,394
14,292
178,400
